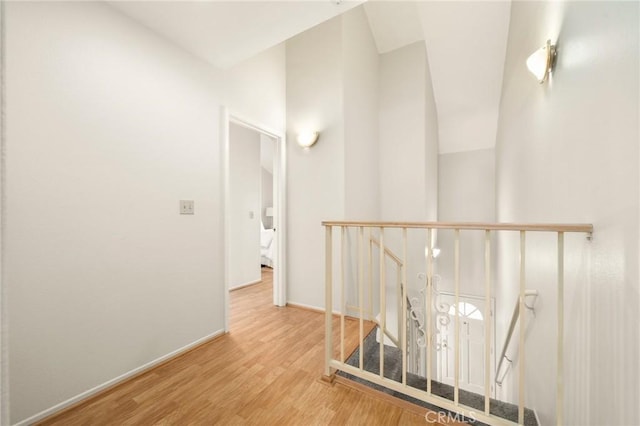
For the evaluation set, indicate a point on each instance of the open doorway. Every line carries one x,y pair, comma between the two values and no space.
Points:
268,240
254,197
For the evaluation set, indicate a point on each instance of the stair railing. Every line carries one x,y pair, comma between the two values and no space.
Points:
507,340
399,271
426,395
373,241
412,322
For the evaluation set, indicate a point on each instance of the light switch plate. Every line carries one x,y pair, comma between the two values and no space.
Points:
186,207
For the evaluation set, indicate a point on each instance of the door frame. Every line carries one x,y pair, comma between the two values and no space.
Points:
492,325
279,202
4,326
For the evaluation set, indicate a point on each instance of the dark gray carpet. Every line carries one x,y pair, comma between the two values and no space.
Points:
393,371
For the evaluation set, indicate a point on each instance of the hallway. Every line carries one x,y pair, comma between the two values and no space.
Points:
265,371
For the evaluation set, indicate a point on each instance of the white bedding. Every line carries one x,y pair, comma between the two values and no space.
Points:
267,247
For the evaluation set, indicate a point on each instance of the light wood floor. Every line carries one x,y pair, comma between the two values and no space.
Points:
266,371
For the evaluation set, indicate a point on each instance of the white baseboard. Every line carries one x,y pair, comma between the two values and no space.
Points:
310,307
307,307
250,283
84,395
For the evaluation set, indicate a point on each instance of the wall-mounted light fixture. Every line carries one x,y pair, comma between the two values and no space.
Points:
435,252
541,62
307,139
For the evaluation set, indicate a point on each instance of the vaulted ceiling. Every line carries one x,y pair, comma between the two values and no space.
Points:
227,32
466,44
465,41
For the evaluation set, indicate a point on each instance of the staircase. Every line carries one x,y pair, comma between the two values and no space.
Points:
368,281
393,371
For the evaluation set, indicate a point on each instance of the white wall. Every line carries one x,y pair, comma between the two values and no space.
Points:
431,151
360,91
466,193
4,353
408,160
100,156
315,176
245,174
266,199
355,98
108,127
337,178
254,90
567,151
267,158
360,83
403,143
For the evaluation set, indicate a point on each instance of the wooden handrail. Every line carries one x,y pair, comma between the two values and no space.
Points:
479,226
388,252
400,264
507,340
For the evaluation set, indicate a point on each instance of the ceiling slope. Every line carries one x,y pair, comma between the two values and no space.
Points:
394,24
465,42
466,45
226,32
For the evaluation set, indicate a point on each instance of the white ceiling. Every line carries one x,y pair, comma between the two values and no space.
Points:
465,41
466,44
393,24
227,32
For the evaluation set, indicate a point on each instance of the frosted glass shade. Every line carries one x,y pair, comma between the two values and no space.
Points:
540,63
307,139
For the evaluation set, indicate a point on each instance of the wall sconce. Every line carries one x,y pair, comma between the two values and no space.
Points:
435,252
541,62
307,139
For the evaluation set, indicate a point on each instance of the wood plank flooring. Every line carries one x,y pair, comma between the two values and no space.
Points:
266,371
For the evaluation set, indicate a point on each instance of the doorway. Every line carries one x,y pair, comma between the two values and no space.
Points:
254,214
471,344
